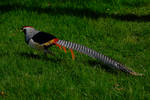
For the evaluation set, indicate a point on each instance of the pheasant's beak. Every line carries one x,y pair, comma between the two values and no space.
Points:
22,29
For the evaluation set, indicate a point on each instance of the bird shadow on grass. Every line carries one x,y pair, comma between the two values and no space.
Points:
79,12
52,59
106,68
38,57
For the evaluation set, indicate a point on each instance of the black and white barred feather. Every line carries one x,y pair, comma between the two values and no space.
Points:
92,53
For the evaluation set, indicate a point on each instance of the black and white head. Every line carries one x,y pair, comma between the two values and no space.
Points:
26,29
29,32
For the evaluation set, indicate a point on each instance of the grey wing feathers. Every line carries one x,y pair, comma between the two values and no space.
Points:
106,60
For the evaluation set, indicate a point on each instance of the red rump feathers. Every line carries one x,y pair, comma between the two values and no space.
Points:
27,26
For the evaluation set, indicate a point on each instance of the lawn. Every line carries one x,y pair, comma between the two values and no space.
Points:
119,29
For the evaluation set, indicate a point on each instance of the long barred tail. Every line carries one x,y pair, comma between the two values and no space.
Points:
106,60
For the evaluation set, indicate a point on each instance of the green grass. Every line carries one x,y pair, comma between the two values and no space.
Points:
119,29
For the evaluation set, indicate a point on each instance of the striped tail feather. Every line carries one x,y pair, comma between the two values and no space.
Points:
106,60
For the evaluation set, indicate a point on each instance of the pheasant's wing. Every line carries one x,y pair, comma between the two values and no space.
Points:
106,60
43,37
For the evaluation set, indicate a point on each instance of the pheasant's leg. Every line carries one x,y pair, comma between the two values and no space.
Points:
46,51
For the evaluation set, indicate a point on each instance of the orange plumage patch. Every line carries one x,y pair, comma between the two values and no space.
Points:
73,56
58,45
48,43
55,42
64,49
